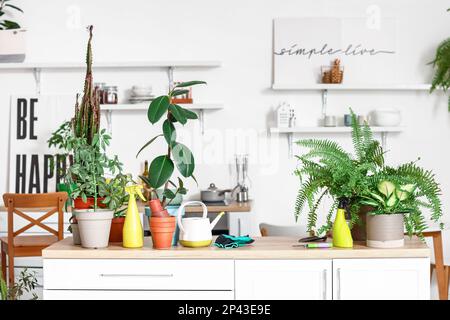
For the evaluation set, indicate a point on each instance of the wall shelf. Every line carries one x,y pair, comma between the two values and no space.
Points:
37,67
353,87
198,107
330,130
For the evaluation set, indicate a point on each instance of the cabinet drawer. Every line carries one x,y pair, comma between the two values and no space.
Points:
136,295
121,274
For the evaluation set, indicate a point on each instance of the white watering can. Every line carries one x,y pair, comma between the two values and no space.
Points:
196,231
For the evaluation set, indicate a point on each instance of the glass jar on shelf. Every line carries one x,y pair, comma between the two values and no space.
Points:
110,95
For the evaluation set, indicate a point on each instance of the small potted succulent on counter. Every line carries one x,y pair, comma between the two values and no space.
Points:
162,225
397,197
12,36
90,164
116,199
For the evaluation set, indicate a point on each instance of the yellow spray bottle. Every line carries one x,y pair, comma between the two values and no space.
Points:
342,237
133,234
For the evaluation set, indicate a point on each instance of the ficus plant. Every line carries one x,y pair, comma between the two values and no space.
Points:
178,155
5,24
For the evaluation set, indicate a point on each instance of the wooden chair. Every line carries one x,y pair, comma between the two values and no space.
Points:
271,230
30,246
442,270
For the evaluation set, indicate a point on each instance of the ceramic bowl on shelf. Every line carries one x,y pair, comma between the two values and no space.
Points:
386,117
141,91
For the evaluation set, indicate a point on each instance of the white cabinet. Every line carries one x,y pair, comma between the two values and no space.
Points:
136,295
373,279
283,279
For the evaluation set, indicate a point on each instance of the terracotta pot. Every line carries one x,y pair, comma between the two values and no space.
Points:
157,209
385,230
359,229
162,229
78,203
116,233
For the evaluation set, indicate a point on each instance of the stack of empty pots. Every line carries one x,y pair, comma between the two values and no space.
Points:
162,225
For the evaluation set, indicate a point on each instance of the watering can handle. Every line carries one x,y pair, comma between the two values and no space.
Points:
180,210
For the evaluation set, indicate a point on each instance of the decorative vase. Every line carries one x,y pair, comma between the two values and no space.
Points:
116,233
94,227
385,230
162,229
75,234
12,45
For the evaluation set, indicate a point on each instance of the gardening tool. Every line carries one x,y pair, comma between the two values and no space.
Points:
133,233
196,231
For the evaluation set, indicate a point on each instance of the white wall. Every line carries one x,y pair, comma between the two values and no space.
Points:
239,33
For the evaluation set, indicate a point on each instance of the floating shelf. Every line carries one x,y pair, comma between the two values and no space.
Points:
199,107
110,65
305,130
354,87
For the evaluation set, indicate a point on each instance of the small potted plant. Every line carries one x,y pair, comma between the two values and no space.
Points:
116,199
397,197
12,36
90,164
25,285
162,225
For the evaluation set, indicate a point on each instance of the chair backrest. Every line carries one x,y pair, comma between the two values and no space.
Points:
271,230
50,202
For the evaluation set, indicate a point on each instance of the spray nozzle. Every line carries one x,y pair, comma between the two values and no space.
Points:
135,189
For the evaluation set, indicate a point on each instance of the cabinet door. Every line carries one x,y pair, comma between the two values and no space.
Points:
136,295
283,279
373,279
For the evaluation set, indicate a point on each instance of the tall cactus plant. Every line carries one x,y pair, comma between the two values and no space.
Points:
86,122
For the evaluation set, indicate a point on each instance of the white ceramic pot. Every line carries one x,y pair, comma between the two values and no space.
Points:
385,117
12,45
385,230
94,227
75,234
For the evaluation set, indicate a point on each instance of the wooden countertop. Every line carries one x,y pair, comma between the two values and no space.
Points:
231,207
262,248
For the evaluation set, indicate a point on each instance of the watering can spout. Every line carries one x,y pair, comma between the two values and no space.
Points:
214,222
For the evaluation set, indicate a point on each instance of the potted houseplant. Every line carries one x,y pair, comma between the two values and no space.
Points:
26,284
326,170
441,64
12,37
90,164
162,225
397,197
116,199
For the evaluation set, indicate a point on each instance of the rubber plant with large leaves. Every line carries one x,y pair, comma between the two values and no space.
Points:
178,155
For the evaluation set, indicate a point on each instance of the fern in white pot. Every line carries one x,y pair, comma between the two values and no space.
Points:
12,36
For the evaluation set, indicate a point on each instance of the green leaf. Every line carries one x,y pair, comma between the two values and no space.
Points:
392,201
145,179
14,7
184,159
386,188
182,191
178,113
189,84
168,194
147,144
169,132
160,171
158,108
195,179
175,93
180,183
190,114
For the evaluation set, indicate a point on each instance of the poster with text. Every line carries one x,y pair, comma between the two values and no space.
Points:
34,167
366,48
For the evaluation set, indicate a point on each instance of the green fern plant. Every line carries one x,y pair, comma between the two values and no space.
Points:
441,64
327,170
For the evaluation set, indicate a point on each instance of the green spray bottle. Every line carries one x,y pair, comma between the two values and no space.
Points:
133,233
342,237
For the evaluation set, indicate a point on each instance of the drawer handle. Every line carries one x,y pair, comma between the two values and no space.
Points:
136,275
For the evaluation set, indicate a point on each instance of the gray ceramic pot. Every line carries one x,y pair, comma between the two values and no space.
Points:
75,234
385,230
